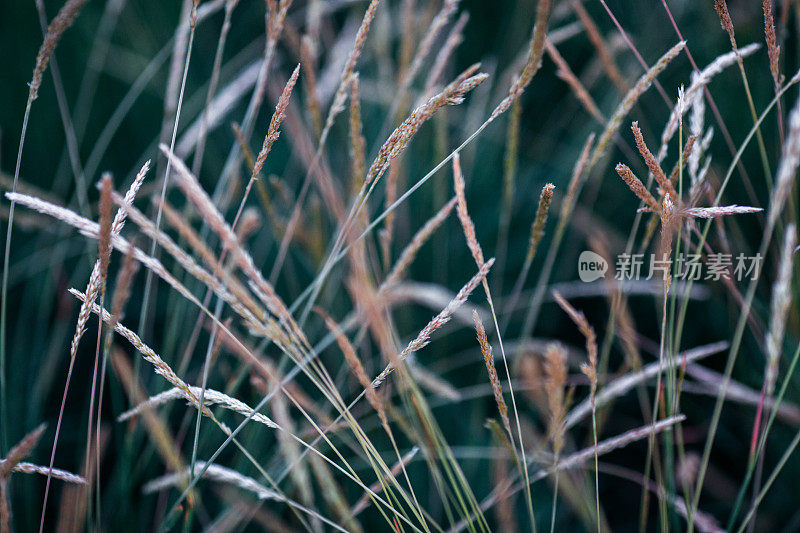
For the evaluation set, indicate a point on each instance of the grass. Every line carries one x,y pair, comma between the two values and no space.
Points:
243,339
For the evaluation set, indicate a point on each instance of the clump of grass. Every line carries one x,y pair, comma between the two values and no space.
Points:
371,242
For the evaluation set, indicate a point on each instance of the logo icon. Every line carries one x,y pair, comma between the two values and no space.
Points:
591,266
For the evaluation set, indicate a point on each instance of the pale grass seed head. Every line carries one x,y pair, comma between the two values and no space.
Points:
555,367
488,359
539,221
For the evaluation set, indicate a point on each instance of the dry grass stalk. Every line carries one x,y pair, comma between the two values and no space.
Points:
358,145
356,367
161,368
488,358
630,99
668,226
773,50
694,93
212,397
652,164
63,20
779,308
423,338
55,473
214,219
785,175
712,212
620,441
637,187
537,228
20,451
566,74
624,384
420,237
341,91
725,20
533,62
93,287
600,46
104,240
463,215
453,94
555,367
390,195
250,315
214,472
273,131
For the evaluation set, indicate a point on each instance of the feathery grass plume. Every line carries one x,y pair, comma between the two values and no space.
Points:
250,315
55,473
637,187
652,164
712,212
20,451
453,94
565,73
192,239
694,93
63,20
161,368
773,50
356,367
533,62
266,293
779,307
273,132
463,215
212,397
357,142
214,472
555,368
668,225
537,228
93,287
488,358
624,384
423,338
337,105
595,37
632,96
785,176
725,20
420,237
